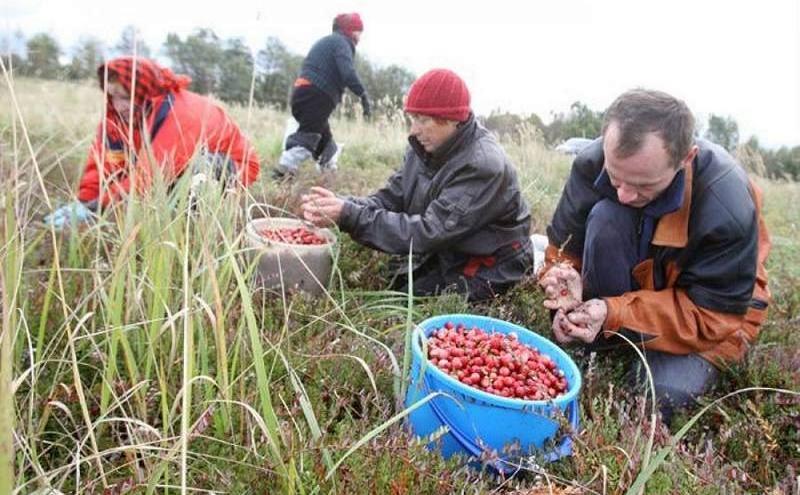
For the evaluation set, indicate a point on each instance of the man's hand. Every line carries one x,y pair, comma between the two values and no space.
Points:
322,207
365,105
583,323
560,330
563,287
63,217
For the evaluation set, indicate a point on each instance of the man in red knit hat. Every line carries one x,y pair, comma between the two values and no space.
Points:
455,204
327,71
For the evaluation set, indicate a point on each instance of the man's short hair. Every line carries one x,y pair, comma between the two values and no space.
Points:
641,111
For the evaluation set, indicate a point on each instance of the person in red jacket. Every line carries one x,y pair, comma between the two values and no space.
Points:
153,124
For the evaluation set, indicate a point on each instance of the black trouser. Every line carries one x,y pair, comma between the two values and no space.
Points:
512,263
609,256
311,108
429,281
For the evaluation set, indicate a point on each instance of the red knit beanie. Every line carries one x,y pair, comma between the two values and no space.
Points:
439,93
347,24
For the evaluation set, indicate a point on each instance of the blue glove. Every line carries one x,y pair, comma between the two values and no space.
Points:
64,216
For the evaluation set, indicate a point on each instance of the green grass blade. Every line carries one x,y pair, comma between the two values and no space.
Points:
380,428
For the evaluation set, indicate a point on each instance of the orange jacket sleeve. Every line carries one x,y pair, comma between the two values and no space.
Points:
677,325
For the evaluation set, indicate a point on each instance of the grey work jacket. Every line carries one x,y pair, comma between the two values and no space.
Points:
460,207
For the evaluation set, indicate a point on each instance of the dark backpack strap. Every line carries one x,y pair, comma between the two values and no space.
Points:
161,115
115,145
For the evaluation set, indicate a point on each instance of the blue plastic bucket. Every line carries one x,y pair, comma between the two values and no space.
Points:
483,425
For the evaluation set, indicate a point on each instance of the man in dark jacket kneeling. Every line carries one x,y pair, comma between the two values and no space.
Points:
658,236
456,202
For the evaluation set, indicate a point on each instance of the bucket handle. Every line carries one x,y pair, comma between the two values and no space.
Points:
266,207
286,213
499,465
466,443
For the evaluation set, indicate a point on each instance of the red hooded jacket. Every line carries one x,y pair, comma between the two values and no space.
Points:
184,122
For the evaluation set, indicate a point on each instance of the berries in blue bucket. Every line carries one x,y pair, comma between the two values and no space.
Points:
504,433
496,363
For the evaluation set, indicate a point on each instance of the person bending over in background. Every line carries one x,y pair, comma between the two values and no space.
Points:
160,129
659,237
455,203
327,70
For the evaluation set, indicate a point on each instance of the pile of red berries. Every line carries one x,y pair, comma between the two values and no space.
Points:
296,235
495,363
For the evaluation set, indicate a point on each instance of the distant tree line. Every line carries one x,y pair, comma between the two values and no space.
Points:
781,163
226,68
582,121
579,121
229,69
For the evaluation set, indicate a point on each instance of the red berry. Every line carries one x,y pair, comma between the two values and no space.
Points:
299,235
495,363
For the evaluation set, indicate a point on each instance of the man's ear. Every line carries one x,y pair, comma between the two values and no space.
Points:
690,156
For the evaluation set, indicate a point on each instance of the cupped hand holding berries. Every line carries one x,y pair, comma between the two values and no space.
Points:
560,330
583,323
563,287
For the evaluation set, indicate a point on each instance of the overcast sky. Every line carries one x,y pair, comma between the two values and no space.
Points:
739,59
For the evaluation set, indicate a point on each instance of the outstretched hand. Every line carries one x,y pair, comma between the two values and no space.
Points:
74,213
322,207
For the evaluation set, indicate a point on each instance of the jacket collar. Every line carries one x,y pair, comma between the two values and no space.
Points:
349,40
449,148
673,228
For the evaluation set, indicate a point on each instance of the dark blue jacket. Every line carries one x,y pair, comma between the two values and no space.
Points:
703,284
329,66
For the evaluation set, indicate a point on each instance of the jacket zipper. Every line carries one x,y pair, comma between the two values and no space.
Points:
640,227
